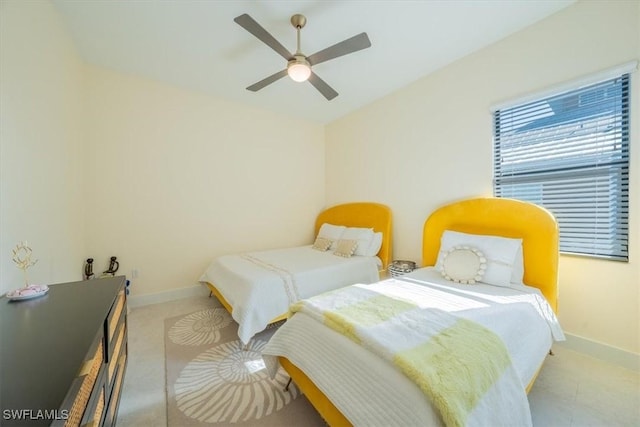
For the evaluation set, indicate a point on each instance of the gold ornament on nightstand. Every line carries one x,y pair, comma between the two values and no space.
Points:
22,258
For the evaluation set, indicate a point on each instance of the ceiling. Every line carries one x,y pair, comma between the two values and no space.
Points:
196,45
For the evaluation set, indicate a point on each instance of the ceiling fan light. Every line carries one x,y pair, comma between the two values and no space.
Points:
299,70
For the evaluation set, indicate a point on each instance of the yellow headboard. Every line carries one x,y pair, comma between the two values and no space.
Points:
535,225
362,214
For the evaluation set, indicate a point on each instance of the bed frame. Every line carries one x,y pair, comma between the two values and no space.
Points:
357,214
496,216
533,224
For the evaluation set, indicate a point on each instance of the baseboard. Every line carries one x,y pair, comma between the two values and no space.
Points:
601,351
166,296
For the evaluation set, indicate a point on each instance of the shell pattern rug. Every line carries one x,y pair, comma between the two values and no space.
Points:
212,379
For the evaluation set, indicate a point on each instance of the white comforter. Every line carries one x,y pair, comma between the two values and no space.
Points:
261,285
370,391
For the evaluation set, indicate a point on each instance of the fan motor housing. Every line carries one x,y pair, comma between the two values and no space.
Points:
299,59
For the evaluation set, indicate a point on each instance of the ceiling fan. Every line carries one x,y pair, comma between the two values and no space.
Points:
298,64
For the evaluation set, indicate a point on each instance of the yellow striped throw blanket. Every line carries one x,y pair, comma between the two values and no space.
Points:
462,367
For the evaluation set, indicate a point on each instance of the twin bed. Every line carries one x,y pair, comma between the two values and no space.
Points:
482,315
349,375
257,288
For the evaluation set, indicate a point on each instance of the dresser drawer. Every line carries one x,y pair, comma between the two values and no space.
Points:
83,386
118,345
94,413
116,314
114,398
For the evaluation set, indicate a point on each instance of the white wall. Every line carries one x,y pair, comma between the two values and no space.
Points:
174,179
40,145
431,143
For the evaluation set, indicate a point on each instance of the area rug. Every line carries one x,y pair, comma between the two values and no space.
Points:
212,379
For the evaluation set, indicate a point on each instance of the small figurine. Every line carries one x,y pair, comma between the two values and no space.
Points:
88,269
113,267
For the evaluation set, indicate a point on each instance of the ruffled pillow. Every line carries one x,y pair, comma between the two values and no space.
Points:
322,244
504,255
346,247
463,264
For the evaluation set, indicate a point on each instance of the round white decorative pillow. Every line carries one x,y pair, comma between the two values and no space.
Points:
463,264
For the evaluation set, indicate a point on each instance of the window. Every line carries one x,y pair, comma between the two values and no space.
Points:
569,152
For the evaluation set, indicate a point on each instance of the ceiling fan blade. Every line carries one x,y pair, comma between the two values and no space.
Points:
322,86
266,82
354,44
249,24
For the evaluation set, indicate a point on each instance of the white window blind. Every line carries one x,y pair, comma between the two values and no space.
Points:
569,152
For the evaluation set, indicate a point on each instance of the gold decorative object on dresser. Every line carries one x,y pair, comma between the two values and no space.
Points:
63,356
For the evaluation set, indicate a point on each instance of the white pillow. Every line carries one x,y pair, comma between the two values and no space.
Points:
331,232
374,247
517,276
501,254
464,264
363,236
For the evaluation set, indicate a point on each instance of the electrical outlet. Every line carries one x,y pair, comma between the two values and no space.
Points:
135,273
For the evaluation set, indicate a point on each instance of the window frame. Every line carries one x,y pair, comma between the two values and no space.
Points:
547,176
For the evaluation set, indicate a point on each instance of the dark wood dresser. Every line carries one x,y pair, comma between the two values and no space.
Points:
63,356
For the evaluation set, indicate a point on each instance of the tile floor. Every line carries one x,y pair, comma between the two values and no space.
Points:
572,389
